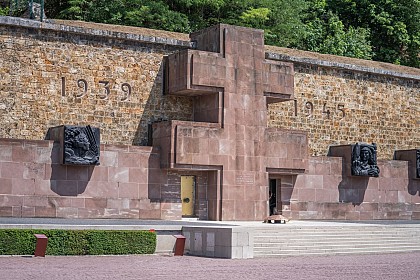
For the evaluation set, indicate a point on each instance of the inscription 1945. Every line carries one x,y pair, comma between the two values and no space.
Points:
104,91
308,109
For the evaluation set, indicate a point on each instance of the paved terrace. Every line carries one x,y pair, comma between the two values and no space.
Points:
43,223
248,239
165,266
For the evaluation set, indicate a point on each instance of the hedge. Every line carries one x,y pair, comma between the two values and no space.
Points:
78,242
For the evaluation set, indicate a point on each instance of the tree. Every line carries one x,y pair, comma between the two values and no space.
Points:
284,27
383,30
200,13
144,13
4,11
394,25
326,33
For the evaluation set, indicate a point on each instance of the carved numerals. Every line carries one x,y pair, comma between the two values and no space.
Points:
106,91
340,107
103,89
83,87
308,110
326,111
126,88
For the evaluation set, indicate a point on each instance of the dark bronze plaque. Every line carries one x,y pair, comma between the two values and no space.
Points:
81,145
363,160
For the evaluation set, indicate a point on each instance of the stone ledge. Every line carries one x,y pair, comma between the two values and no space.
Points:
139,34
339,65
51,25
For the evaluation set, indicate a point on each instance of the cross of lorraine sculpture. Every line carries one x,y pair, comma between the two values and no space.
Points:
231,84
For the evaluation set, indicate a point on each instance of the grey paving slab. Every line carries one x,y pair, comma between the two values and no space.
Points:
381,267
101,223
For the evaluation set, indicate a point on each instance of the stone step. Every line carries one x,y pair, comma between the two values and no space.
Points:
317,230
335,240
277,241
326,244
298,236
292,253
335,231
267,246
338,233
334,247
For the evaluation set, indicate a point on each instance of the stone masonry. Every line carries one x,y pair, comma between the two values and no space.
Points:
229,64
219,106
34,63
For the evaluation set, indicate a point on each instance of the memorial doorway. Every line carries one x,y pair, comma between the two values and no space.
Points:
188,195
274,195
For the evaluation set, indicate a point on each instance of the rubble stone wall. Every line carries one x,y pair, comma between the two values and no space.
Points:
111,77
340,107
50,78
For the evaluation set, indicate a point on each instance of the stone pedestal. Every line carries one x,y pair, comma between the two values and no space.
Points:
413,158
358,159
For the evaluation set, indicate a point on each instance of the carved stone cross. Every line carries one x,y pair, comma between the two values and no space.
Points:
232,84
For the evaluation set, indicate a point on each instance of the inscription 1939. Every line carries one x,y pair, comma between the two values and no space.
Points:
104,92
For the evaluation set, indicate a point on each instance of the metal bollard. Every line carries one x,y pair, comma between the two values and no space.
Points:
41,245
179,245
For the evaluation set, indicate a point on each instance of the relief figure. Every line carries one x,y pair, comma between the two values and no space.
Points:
80,146
364,160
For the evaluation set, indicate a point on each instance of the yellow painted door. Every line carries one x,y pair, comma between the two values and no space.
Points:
187,195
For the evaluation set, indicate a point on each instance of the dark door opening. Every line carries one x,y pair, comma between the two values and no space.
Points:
272,201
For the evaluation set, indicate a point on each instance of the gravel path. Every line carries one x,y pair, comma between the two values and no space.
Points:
383,267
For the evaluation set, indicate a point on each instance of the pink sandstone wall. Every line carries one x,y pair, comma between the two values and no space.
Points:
323,193
40,72
34,184
127,184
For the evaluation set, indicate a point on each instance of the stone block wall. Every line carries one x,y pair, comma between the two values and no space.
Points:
325,192
55,74
51,77
34,184
340,106
222,242
80,73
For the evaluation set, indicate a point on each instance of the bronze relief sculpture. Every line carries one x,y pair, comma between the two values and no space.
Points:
363,160
81,145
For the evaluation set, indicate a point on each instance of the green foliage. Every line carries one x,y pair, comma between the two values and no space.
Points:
66,242
280,19
384,30
156,15
4,11
77,9
200,13
143,13
121,242
394,26
326,33
78,242
14,242
255,17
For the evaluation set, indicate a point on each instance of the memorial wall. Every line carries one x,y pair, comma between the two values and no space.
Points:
157,130
85,73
